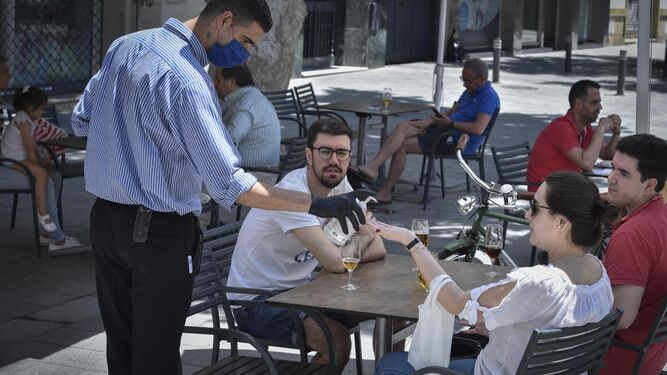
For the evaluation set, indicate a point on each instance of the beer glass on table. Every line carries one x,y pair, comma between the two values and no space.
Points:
350,256
421,230
493,246
386,98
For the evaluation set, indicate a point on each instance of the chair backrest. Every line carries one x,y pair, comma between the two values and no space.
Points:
511,163
572,350
287,108
487,132
294,158
305,96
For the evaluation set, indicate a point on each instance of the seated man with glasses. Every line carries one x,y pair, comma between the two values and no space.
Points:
471,115
279,250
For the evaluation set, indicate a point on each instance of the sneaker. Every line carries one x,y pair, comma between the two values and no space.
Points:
70,246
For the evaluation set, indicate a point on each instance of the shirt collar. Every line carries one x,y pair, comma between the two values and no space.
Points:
177,27
656,201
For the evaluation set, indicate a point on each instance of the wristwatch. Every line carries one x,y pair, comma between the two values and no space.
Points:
411,246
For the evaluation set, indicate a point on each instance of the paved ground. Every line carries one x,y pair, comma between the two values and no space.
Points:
49,320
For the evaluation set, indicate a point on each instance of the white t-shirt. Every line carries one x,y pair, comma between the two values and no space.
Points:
267,254
12,143
543,298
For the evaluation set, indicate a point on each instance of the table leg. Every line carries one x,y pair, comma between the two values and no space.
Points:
361,138
383,138
384,337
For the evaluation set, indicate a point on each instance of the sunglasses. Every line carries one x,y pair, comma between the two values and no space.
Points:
534,207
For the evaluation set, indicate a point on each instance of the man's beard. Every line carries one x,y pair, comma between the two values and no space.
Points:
330,183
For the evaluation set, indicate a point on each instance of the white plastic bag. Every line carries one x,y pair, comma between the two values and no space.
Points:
432,339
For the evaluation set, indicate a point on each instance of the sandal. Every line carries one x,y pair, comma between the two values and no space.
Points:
47,223
358,173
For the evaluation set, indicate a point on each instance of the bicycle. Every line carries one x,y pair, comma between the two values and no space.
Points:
465,247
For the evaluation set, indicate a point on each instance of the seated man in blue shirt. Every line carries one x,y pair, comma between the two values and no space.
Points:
471,115
249,117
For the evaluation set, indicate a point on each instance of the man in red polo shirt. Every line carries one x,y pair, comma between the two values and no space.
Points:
636,257
569,143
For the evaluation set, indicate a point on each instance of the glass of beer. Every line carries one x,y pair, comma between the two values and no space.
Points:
386,98
493,246
350,256
420,229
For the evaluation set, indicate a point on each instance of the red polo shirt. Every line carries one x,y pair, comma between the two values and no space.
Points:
637,255
548,152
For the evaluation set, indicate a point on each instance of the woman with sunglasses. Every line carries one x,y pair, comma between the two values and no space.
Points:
571,290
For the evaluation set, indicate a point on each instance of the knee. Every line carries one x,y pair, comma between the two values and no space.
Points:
40,174
394,364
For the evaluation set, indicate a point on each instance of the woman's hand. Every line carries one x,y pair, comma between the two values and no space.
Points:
479,328
393,233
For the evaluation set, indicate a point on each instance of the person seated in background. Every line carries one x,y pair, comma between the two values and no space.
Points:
249,117
636,254
18,143
573,289
279,250
471,115
569,143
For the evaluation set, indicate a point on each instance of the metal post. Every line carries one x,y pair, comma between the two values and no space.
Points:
497,46
643,107
439,66
622,64
664,62
568,52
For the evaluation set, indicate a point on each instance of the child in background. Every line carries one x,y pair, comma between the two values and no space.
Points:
19,144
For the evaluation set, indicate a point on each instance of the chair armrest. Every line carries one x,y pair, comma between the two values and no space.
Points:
236,335
436,370
441,138
626,345
23,167
301,125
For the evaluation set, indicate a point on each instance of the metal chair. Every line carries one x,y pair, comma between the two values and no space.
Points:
571,350
15,182
287,108
294,158
656,334
305,96
478,156
512,167
210,293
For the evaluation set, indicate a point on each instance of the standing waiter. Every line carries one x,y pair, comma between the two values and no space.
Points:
154,135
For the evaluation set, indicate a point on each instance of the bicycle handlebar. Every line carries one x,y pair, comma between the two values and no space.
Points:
460,146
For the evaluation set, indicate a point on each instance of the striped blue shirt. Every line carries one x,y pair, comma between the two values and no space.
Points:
154,126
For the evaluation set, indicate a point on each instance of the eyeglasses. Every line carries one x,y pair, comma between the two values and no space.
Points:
534,206
326,152
468,81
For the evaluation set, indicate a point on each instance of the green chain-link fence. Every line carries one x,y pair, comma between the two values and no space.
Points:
53,44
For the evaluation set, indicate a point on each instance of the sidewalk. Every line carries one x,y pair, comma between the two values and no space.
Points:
49,319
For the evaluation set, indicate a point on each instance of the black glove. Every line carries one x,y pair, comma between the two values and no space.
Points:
342,206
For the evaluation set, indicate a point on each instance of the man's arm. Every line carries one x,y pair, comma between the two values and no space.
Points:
585,158
627,298
328,254
475,128
609,149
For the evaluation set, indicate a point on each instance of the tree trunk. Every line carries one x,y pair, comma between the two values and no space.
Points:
273,63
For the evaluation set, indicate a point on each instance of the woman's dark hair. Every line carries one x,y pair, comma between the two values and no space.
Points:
577,198
29,97
327,125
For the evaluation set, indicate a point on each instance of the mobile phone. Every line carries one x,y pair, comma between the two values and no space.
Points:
436,112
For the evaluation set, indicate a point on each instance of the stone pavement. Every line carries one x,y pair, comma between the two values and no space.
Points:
49,319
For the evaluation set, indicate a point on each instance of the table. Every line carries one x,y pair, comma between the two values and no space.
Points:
73,142
388,291
362,108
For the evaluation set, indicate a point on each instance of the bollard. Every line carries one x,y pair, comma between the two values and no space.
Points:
568,52
622,64
497,46
664,65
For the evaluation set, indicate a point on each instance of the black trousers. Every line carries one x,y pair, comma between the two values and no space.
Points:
143,289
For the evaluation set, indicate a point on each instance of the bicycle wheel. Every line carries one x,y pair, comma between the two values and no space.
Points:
480,257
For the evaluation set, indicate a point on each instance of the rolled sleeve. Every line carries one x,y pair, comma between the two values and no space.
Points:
196,120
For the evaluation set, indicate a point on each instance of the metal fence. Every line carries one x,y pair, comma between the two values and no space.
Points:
53,44
319,32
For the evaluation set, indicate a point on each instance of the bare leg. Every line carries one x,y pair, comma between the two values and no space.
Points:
41,179
316,340
403,132
410,146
